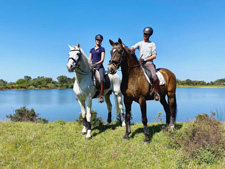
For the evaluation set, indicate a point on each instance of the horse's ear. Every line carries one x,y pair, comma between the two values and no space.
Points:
71,48
78,45
120,41
111,42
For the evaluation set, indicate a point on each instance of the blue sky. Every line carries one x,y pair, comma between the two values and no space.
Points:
34,35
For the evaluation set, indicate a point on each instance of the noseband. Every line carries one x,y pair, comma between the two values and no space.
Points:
116,63
77,62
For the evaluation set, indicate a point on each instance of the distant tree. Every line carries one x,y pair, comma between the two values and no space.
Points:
188,82
64,80
21,83
28,79
220,82
3,81
41,82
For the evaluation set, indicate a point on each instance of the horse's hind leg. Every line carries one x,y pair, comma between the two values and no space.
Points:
109,107
119,108
172,107
127,102
142,103
83,113
166,108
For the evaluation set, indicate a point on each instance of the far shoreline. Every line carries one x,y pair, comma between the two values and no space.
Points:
178,86
205,86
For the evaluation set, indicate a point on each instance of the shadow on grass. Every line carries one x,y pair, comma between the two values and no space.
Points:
153,129
103,128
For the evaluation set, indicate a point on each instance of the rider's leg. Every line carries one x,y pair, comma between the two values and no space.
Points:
151,67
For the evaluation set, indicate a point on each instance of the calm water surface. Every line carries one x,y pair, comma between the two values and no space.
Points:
60,104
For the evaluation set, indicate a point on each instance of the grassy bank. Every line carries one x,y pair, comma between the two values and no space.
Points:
200,86
60,145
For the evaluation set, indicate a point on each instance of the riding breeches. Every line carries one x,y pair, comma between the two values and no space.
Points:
101,70
150,66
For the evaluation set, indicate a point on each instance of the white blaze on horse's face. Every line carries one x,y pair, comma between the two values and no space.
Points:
74,55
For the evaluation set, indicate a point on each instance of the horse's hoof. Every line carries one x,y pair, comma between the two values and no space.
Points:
146,142
125,140
123,124
88,138
164,128
172,127
83,133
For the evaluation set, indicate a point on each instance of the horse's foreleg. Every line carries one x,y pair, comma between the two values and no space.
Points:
109,107
127,102
142,103
89,104
83,113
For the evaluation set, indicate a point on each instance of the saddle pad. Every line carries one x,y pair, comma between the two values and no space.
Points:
161,78
159,75
106,80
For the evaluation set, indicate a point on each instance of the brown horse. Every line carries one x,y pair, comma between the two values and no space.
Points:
135,87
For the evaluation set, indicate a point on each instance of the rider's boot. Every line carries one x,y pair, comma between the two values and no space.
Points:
156,85
102,91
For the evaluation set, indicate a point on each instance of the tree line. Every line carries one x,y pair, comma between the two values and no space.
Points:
188,82
64,82
40,82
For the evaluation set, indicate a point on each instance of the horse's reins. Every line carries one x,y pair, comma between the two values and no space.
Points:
118,63
76,63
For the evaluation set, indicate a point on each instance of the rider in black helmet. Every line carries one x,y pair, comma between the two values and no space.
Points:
97,55
147,50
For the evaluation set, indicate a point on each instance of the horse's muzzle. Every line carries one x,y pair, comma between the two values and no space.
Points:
70,68
111,70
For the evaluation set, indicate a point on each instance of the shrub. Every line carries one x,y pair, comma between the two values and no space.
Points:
24,114
203,140
95,121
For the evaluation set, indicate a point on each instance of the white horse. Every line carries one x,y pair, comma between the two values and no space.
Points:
85,90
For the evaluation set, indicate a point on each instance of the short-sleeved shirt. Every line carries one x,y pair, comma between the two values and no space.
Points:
96,54
146,49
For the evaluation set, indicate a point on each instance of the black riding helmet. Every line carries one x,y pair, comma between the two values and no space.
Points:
99,37
148,30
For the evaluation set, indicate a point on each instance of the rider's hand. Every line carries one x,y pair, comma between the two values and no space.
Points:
141,60
93,65
132,50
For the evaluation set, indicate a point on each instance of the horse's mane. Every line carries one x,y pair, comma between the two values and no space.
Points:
128,51
85,56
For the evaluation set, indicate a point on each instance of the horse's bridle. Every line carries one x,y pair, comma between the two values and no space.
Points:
77,62
116,63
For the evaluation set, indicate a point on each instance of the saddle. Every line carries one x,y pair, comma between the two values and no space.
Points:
96,79
148,76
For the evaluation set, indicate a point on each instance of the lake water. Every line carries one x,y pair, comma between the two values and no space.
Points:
60,104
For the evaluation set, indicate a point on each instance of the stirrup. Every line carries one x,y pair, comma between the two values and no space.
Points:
101,100
156,94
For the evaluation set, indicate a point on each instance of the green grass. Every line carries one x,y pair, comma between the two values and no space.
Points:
61,145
